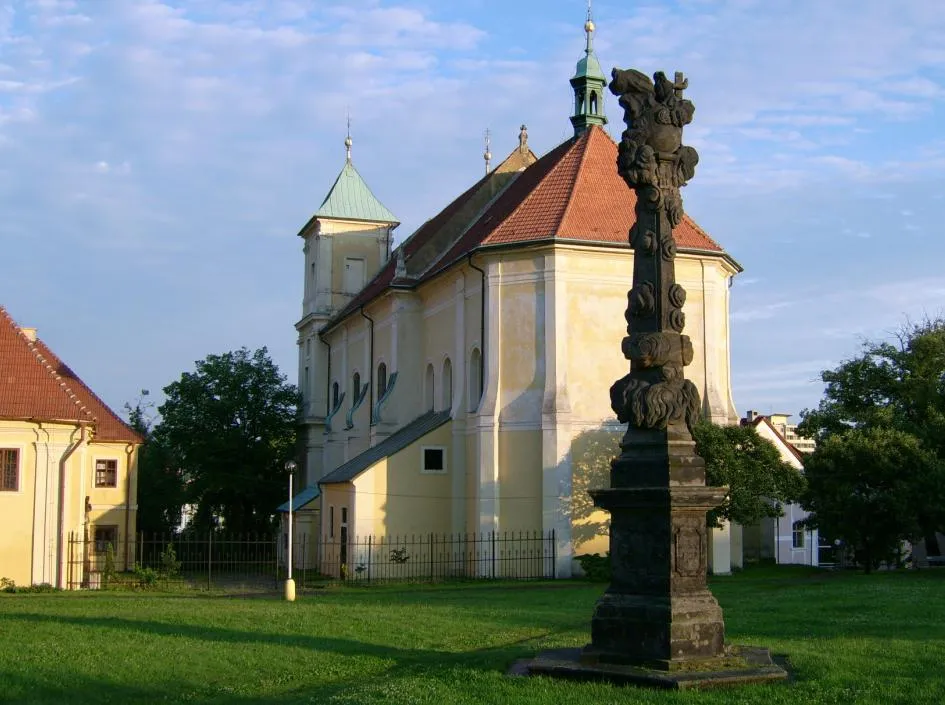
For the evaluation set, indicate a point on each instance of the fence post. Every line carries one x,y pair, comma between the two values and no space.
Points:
493,554
554,555
210,560
370,544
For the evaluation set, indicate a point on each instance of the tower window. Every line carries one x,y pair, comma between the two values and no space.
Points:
593,103
430,398
334,395
356,381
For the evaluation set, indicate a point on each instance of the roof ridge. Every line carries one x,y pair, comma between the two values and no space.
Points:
577,176
534,190
41,359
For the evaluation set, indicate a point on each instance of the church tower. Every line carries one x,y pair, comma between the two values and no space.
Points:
588,83
346,243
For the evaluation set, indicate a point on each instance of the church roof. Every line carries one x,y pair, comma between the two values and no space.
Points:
394,443
351,199
572,194
36,385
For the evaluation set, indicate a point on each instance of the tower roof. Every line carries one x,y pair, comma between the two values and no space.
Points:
572,194
351,199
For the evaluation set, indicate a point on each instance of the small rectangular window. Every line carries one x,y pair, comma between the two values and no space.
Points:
105,536
797,537
434,459
9,470
106,473
331,522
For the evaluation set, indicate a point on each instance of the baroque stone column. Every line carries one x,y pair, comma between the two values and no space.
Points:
657,611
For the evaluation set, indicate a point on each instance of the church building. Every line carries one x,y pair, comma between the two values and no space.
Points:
459,382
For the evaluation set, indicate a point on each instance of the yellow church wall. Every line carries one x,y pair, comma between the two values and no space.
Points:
16,508
395,498
591,452
520,494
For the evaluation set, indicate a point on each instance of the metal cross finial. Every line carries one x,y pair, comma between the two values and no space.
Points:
487,155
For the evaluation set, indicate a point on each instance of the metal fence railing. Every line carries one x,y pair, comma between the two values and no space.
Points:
237,563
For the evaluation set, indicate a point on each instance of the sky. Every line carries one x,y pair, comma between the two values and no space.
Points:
158,157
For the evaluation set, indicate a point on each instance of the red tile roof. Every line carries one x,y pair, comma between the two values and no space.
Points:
35,384
572,193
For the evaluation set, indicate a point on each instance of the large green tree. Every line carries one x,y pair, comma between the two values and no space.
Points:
229,427
891,396
161,486
759,481
864,487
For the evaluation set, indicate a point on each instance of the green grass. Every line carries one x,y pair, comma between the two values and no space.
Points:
851,638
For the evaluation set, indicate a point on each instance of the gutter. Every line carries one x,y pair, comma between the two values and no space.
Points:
129,450
371,368
60,577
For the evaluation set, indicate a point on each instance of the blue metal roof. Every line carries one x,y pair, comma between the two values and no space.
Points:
301,499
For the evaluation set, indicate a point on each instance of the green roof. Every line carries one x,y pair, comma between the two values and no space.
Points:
309,494
350,198
589,67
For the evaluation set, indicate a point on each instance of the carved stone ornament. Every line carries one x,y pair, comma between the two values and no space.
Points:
645,404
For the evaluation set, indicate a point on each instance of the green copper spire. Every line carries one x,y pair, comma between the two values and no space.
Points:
351,199
588,83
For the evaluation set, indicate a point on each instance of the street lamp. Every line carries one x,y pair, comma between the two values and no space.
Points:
290,467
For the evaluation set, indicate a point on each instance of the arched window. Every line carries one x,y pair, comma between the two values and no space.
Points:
428,388
594,103
334,395
475,379
356,381
381,380
447,384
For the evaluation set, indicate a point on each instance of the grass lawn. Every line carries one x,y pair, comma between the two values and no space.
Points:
851,638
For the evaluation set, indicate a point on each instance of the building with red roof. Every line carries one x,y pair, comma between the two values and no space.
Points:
67,467
459,383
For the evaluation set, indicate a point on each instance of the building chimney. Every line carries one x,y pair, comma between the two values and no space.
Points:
30,334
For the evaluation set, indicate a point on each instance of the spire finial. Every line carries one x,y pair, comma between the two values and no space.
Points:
523,138
589,29
487,155
348,141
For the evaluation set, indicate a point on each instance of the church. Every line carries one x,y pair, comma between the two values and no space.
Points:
459,382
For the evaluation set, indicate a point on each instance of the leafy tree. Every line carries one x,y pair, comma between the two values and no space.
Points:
229,428
759,481
892,386
160,482
864,488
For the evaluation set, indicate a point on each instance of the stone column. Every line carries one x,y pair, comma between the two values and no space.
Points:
658,610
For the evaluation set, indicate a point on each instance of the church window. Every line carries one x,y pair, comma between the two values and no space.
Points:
334,395
428,389
106,473
9,470
308,347
593,103
106,536
434,460
475,379
353,275
305,387
312,268
797,536
356,382
381,380
447,384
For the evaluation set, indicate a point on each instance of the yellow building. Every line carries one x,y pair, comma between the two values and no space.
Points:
67,468
460,383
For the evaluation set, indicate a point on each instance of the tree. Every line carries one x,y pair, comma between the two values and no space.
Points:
864,487
229,427
759,481
898,387
161,487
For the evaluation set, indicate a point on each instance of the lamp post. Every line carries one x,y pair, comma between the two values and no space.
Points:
290,467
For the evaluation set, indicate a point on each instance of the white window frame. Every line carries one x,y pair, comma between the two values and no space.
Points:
423,467
95,462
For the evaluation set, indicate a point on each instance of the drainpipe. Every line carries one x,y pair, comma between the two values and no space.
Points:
370,370
328,383
129,450
482,324
60,582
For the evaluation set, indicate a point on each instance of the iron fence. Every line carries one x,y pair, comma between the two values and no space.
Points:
257,563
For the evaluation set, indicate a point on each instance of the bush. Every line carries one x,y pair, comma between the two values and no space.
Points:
170,566
7,585
596,567
146,578
108,572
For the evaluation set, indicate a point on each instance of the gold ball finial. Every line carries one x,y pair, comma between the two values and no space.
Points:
589,26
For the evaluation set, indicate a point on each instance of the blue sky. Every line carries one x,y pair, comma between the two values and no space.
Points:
157,159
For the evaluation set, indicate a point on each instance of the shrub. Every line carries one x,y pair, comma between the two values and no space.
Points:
146,578
108,572
170,566
596,567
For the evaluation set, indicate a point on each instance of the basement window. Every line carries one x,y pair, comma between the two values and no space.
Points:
106,473
106,536
434,460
